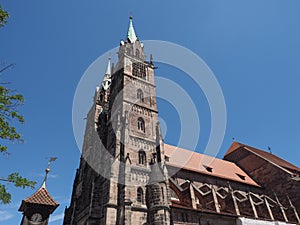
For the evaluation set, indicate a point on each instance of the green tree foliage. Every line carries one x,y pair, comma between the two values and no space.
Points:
18,181
3,16
9,114
9,103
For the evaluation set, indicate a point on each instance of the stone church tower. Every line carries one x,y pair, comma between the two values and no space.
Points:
122,177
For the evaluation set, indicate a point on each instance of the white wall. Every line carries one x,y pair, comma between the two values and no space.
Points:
245,221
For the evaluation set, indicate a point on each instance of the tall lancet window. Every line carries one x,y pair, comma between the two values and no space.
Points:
142,157
140,95
141,124
140,196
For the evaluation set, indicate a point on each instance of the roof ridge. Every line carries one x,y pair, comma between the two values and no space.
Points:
202,154
265,155
195,161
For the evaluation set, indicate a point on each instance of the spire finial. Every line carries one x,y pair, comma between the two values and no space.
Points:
108,69
107,77
131,36
151,59
47,170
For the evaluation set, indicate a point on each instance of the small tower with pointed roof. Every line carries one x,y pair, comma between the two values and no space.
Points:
37,208
157,195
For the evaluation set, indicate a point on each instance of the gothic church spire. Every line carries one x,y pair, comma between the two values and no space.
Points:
107,77
131,36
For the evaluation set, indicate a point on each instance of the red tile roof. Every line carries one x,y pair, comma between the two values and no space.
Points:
263,154
41,197
193,161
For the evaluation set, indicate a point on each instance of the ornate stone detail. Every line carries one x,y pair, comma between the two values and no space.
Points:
142,143
141,110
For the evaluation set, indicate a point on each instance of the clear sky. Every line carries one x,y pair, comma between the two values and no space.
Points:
252,47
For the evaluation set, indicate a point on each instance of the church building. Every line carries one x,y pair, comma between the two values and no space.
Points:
129,176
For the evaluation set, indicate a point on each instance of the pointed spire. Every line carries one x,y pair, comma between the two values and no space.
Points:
151,59
112,68
45,179
131,36
107,77
108,69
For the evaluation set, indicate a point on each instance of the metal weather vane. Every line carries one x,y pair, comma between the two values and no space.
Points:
51,159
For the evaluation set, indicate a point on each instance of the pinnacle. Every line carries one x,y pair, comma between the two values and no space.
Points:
131,36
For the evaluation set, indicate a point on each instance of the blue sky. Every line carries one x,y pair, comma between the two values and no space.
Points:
251,46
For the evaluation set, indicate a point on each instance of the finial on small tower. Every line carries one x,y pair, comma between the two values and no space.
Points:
47,170
151,59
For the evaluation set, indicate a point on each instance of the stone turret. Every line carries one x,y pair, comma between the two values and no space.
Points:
157,197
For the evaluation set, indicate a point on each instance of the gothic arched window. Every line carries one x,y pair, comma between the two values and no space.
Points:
142,157
140,195
140,95
141,124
